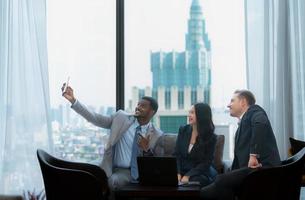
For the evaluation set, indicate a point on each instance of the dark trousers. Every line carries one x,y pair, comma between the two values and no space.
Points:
225,185
202,179
206,177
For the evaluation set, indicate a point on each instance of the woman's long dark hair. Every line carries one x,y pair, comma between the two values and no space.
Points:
205,125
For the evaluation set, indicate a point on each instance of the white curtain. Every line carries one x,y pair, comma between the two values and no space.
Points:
297,41
275,64
24,94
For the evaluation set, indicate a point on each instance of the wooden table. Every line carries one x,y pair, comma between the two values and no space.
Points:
135,191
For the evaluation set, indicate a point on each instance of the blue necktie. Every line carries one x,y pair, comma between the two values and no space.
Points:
134,154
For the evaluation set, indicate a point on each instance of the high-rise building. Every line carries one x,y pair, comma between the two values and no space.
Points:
182,78
190,68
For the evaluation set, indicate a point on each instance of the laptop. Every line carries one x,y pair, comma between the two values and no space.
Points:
157,171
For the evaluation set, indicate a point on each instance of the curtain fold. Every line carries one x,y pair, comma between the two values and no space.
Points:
297,42
275,64
24,94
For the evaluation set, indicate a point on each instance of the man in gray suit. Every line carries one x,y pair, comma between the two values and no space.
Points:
131,135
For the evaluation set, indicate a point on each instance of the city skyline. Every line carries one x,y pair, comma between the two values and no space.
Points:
227,49
180,78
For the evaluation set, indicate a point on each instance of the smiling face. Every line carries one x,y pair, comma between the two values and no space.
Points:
144,110
192,116
237,105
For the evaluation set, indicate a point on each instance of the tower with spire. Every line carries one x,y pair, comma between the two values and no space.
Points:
189,70
180,78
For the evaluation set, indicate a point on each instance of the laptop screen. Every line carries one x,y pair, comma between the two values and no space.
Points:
157,171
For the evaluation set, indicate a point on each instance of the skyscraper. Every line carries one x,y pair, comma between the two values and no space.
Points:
190,68
181,78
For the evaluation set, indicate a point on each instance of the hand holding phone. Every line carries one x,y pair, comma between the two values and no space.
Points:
143,142
67,92
141,136
66,85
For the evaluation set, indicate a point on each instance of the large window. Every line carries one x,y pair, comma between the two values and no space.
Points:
81,45
190,51
182,52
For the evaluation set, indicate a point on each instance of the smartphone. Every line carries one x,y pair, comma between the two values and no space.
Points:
66,85
141,136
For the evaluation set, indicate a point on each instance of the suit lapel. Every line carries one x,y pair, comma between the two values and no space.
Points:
237,134
238,131
115,136
188,140
127,123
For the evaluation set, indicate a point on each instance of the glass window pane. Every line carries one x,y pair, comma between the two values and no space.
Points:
182,52
81,45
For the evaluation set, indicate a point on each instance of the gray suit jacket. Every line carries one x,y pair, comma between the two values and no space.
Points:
118,123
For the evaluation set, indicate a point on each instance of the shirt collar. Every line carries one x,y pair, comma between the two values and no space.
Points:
240,118
145,127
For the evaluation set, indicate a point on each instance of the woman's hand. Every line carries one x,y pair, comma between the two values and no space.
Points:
179,177
185,179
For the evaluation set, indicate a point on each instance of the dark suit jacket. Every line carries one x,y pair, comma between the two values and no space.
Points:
199,160
255,136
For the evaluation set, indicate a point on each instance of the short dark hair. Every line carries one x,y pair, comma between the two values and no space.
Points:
247,95
153,102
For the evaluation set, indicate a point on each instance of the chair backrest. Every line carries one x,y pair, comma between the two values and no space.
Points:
272,183
167,142
218,155
296,145
10,197
68,180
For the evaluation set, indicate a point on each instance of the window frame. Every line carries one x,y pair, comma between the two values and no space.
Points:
120,55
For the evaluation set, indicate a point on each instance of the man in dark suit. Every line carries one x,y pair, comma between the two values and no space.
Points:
255,143
255,146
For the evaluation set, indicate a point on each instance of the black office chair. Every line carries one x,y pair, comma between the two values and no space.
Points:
10,197
282,182
66,180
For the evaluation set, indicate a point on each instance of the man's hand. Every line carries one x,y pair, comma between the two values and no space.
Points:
253,162
68,94
143,143
185,179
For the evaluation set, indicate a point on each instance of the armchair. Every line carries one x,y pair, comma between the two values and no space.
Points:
273,183
70,180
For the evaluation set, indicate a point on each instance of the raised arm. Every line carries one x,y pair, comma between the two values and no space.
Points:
95,118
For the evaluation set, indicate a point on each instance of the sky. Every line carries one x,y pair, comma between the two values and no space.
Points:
81,45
